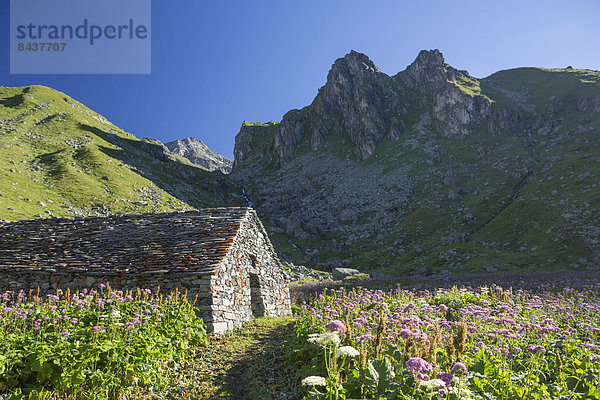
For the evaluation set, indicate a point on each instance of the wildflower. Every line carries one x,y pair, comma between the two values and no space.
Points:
115,314
66,333
416,365
336,326
433,384
314,381
442,391
422,376
325,339
95,328
444,376
102,286
346,351
459,369
534,349
405,333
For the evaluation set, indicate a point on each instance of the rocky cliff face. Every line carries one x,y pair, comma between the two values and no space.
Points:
200,154
432,169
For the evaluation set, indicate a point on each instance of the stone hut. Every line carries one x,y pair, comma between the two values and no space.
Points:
221,256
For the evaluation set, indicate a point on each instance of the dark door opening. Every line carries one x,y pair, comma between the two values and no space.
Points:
258,306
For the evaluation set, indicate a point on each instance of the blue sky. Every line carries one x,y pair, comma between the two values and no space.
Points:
217,63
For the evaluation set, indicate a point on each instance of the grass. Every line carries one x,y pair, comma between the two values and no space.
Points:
92,344
59,158
469,85
114,345
248,363
538,339
268,356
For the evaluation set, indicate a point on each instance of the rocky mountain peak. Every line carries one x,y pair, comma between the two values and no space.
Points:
430,58
353,64
200,154
429,69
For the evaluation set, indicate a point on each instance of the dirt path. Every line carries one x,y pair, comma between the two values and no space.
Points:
246,364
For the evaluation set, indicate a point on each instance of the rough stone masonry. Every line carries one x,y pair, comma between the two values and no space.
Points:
222,257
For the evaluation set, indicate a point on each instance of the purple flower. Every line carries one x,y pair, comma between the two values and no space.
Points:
364,337
66,334
95,328
444,376
416,365
459,369
405,333
536,348
336,326
422,376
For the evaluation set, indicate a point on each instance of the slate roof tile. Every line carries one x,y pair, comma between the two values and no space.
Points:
188,242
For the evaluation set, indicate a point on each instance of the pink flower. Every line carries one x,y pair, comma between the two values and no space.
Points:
416,365
444,376
422,376
336,326
536,348
459,369
405,333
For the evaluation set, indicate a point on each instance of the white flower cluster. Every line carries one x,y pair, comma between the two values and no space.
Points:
325,339
314,381
433,384
346,351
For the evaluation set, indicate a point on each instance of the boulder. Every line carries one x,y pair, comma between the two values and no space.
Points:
341,273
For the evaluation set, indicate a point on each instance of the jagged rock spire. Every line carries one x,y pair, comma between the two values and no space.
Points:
354,64
428,70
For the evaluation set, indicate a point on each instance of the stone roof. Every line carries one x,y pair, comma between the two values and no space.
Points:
188,242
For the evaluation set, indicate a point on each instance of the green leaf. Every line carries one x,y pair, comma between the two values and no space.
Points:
380,376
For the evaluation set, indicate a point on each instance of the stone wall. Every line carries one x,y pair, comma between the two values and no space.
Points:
247,280
251,281
49,280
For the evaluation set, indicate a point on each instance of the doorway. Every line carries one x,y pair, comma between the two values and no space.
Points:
258,306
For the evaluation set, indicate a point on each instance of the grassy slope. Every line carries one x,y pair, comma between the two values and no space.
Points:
59,158
531,233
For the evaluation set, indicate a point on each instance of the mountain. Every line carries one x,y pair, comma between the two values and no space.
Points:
200,154
59,158
427,171
432,170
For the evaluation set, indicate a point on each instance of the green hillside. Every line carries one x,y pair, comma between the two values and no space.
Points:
59,158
